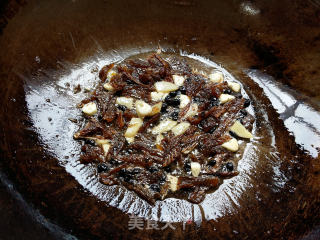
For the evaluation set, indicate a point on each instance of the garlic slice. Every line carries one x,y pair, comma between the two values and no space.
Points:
133,128
165,87
240,130
234,86
107,86
178,80
87,89
143,108
101,141
226,98
231,145
216,77
130,139
180,128
110,74
195,169
193,110
173,182
90,108
164,126
106,148
125,101
155,109
184,100
105,144
157,96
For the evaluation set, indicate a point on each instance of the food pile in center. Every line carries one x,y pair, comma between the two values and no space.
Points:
162,129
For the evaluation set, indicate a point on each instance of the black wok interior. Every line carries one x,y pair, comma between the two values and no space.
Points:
46,47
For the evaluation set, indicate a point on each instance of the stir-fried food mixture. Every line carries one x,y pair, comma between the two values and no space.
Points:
162,129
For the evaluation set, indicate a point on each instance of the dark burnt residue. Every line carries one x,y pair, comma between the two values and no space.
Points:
269,59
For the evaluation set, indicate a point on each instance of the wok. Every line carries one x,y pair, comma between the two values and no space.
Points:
48,47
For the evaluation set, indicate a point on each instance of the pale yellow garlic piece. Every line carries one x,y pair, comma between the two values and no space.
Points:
125,101
234,86
157,96
226,98
195,169
193,110
178,80
143,108
216,77
184,101
240,130
164,126
106,148
90,108
180,128
158,142
105,144
133,128
110,74
107,86
87,89
155,109
130,139
165,87
101,141
173,182
232,145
